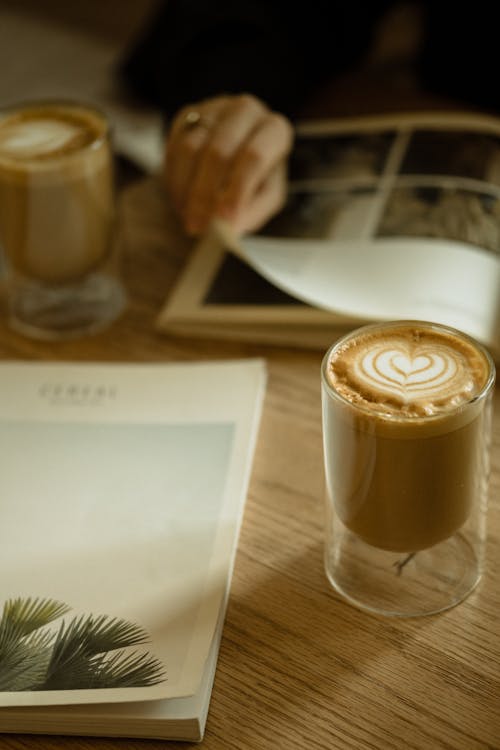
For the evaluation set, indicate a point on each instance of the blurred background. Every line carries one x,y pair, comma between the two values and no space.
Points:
60,49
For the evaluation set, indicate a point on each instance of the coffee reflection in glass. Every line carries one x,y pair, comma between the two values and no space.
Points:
57,214
406,426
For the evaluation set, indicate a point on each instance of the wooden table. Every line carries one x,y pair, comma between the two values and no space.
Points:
299,667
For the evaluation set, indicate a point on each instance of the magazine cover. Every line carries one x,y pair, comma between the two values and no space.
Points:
122,495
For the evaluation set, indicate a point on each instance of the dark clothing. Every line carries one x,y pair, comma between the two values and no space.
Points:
283,52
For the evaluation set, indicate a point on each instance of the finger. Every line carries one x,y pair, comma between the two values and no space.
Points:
180,164
206,112
237,121
184,146
265,203
267,147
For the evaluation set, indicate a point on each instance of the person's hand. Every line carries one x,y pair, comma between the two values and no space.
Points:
226,158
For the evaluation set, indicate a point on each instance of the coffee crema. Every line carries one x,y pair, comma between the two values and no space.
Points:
40,135
409,371
404,432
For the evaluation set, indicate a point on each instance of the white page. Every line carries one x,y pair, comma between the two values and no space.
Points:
122,491
438,280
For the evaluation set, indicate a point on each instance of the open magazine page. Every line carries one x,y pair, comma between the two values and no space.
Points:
435,175
393,216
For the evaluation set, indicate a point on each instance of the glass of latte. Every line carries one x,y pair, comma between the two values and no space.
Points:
57,214
406,428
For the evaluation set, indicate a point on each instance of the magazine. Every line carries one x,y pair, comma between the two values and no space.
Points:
390,216
123,488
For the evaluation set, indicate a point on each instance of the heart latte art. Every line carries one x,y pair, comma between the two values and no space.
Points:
407,370
409,374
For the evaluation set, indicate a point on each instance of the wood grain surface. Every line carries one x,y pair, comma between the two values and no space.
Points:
298,667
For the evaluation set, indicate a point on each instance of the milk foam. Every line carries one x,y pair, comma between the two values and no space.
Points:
42,136
407,370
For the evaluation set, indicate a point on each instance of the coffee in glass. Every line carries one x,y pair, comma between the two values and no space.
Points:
57,218
406,425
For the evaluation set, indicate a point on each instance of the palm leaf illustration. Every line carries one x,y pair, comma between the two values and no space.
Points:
23,666
84,638
133,670
88,652
24,652
21,616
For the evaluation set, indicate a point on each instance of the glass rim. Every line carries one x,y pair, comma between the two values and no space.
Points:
393,417
61,102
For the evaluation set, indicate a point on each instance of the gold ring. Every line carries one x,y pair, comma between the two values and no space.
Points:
193,119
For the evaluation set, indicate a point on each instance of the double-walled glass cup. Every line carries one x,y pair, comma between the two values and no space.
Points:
57,216
406,493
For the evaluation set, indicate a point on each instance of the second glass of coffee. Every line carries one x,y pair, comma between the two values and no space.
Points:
57,216
406,425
